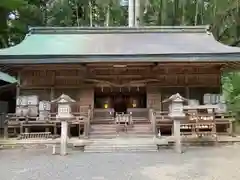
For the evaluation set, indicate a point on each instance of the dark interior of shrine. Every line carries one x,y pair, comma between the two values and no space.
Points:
133,97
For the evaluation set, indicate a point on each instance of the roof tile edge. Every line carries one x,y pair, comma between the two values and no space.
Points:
145,29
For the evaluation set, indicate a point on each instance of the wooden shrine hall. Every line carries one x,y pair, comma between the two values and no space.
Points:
116,73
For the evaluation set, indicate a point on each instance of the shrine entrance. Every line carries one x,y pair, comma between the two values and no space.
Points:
120,99
120,103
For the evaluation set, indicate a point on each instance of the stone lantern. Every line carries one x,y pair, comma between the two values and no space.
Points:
64,115
177,115
175,105
64,106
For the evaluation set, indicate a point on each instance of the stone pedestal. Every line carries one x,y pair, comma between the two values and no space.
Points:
177,134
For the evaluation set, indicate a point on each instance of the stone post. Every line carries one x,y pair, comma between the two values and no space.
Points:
152,117
177,115
64,137
64,115
177,134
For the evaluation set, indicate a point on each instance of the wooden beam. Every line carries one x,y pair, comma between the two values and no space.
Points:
118,63
25,87
54,67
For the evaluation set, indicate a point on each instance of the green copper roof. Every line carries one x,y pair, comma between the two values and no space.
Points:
7,78
48,44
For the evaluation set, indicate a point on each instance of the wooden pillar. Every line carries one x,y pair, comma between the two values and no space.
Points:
85,129
187,92
15,131
18,85
47,129
160,97
6,131
55,129
21,128
52,93
230,129
79,130
26,129
17,96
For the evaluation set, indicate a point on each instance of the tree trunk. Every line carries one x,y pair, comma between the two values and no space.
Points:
107,18
90,14
77,14
3,28
175,13
163,12
196,13
137,12
131,12
183,6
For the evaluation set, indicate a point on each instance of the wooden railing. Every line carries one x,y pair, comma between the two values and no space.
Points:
138,112
194,121
200,124
103,113
123,121
26,122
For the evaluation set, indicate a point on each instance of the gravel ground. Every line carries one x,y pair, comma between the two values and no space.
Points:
202,163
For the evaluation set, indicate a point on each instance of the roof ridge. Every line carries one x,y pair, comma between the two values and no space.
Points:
146,29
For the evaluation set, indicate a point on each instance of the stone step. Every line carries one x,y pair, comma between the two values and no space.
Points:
102,136
110,136
102,133
138,132
140,128
103,130
147,135
99,132
106,120
121,148
97,127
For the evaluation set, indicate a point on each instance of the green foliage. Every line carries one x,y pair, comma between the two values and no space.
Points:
11,4
223,15
231,90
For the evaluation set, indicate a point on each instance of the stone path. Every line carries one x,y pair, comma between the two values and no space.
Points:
204,163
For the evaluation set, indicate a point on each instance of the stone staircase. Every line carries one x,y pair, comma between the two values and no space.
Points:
140,130
102,131
109,130
121,144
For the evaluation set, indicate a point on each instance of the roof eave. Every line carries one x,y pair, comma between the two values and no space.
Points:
45,59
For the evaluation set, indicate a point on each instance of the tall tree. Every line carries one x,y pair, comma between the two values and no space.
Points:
6,7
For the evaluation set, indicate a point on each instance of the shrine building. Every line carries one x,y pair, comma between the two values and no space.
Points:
117,69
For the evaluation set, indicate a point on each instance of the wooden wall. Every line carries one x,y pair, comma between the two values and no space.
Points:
86,97
153,97
78,81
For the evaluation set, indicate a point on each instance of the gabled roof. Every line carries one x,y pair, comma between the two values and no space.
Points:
55,45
